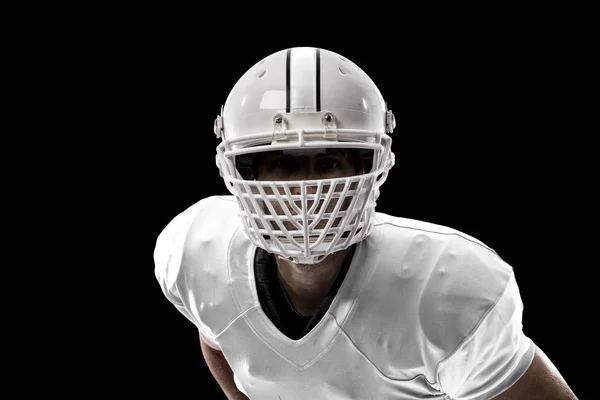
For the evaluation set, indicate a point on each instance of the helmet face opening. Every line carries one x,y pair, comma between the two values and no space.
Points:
304,150
306,220
339,162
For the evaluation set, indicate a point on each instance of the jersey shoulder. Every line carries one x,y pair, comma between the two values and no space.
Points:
207,220
462,278
417,227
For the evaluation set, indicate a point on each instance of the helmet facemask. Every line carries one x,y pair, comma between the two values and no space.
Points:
305,221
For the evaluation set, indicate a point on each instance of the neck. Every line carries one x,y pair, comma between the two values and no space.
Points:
307,285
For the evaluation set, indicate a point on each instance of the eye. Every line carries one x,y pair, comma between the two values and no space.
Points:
285,163
330,163
277,162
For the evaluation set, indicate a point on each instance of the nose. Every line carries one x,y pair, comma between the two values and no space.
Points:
305,171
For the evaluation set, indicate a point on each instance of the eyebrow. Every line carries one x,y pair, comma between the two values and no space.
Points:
334,152
329,152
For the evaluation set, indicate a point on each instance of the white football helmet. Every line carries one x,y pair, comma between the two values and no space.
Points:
305,99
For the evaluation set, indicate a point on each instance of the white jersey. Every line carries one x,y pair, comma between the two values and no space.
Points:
424,312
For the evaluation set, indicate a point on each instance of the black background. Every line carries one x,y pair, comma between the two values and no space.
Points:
480,146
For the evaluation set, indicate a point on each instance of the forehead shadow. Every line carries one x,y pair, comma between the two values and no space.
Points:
328,152
337,152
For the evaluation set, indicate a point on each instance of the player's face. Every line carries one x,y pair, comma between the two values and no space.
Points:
336,163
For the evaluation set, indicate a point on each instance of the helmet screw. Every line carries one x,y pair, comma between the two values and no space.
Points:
328,118
278,120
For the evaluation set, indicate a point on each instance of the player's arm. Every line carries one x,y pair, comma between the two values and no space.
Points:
168,254
542,381
221,370
494,358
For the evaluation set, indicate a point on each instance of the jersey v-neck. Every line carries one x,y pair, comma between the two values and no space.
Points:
274,303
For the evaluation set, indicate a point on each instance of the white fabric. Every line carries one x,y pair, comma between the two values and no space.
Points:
486,362
424,311
167,259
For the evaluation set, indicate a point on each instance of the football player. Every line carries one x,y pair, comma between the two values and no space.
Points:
301,290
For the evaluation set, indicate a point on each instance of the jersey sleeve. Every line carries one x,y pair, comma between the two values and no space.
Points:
168,254
494,356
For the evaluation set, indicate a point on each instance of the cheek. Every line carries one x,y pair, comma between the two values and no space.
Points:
266,175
